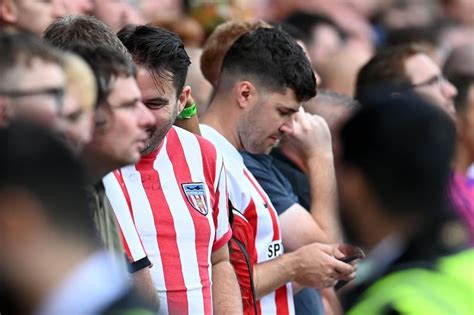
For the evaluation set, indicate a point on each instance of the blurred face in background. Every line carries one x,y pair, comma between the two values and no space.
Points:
35,92
77,114
74,7
325,42
428,81
31,15
121,126
116,13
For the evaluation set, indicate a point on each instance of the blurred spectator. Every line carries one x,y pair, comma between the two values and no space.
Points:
426,36
153,9
459,10
188,29
201,88
398,14
453,36
109,148
356,26
32,16
116,13
52,262
409,68
462,187
75,7
32,80
219,42
339,72
70,31
325,38
460,61
393,197
77,114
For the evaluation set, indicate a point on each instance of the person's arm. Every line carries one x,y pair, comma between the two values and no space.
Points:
311,138
225,289
190,124
315,265
145,288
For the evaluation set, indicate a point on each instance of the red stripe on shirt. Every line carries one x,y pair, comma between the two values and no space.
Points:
281,294
271,210
201,224
164,223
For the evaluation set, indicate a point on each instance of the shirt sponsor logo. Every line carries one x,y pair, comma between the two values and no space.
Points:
196,196
275,249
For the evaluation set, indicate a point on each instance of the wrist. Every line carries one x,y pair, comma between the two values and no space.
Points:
188,112
292,263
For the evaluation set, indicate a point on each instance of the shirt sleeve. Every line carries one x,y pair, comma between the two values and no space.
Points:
273,182
132,243
221,206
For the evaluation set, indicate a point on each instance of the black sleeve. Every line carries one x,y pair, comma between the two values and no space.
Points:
139,265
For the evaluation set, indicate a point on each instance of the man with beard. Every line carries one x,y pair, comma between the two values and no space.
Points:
173,204
265,76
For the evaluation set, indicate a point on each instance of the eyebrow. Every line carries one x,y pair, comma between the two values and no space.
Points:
130,102
289,109
157,99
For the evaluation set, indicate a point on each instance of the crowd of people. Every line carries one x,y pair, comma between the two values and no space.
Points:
234,157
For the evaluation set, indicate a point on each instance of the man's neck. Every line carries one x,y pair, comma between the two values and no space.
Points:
95,168
223,121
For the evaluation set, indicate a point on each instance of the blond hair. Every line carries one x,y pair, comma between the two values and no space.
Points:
80,78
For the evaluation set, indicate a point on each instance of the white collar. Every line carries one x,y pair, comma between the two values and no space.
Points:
219,141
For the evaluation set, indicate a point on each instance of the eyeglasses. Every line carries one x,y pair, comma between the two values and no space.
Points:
436,79
56,93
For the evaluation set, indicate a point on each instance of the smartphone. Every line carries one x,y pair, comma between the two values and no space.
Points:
348,259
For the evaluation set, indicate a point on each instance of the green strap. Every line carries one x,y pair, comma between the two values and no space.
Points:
188,112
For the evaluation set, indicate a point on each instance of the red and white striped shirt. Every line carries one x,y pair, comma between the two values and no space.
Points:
249,198
173,207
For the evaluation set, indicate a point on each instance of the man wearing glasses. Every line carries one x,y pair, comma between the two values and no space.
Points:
411,70
32,80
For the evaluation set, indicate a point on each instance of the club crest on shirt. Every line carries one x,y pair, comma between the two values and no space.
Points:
196,196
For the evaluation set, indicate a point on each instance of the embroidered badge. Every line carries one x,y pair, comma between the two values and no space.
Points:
196,196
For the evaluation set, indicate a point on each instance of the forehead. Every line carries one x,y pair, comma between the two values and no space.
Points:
125,89
153,86
420,67
286,100
36,74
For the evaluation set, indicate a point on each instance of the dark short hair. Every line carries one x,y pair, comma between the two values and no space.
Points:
107,63
463,83
70,31
19,49
33,159
403,147
274,60
158,50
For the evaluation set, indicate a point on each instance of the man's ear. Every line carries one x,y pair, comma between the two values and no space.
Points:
245,93
183,98
8,11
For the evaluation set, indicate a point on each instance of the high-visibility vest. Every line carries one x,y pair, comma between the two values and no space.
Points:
447,289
